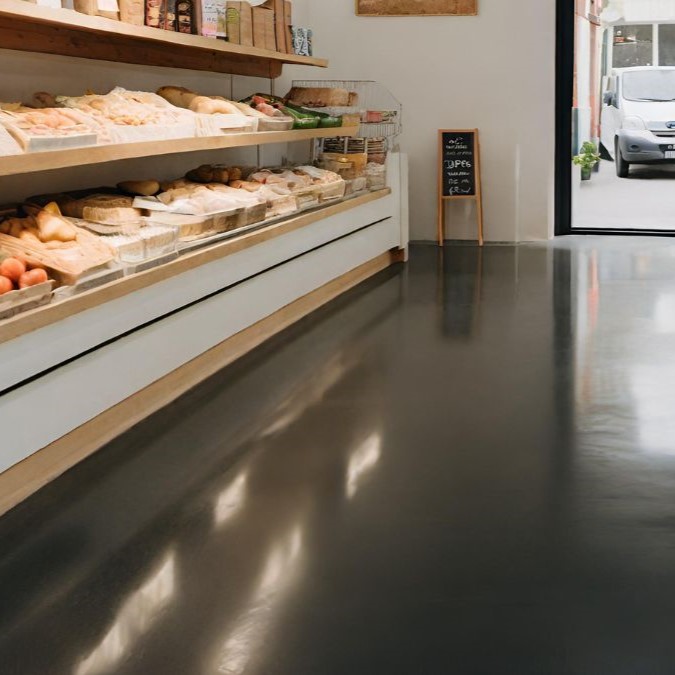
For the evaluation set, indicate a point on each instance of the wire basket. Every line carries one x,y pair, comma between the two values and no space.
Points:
380,111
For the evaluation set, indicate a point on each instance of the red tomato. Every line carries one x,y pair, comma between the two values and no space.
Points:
12,268
33,278
6,285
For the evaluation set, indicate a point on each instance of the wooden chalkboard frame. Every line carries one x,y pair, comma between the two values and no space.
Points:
477,196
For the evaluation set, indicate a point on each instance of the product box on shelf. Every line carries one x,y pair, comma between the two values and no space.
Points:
264,28
258,16
132,12
185,16
270,32
221,25
288,25
206,18
280,26
161,14
106,8
22,300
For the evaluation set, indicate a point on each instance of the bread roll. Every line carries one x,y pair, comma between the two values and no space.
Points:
142,188
178,96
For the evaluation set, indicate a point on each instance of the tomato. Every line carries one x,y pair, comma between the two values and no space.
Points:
33,278
6,285
12,268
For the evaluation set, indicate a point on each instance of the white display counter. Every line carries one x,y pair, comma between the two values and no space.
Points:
79,372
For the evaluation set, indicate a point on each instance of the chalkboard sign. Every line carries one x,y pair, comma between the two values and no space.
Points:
459,174
459,163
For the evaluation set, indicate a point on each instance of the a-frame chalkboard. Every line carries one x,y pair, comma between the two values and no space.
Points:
459,174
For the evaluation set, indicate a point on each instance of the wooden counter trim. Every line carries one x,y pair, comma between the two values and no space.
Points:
34,472
28,27
60,159
49,314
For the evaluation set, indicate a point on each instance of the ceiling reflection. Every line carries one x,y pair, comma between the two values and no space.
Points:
135,618
195,535
230,500
250,628
625,360
361,462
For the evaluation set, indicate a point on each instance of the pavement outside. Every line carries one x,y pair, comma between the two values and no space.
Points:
644,201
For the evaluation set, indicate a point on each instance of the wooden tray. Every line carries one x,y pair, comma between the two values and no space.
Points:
22,300
68,265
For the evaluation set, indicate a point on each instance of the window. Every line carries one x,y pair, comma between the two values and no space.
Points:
633,46
667,44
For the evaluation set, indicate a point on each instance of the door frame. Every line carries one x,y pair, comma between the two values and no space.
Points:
564,100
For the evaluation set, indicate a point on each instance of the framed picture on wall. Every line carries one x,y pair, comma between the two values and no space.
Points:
417,7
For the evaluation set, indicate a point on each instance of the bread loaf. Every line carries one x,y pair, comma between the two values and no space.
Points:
178,96
209,173
322,97
141,188
100,208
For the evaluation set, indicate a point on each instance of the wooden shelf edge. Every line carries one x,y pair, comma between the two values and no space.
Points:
41,317
32,162
22,12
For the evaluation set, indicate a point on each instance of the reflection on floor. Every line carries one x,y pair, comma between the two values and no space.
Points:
464,466
641,202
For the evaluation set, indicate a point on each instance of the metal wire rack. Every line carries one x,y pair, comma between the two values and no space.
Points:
380,111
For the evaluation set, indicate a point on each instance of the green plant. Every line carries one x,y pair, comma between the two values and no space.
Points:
588,156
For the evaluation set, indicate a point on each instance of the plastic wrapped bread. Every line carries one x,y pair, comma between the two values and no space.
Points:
134,115
102,208
48,128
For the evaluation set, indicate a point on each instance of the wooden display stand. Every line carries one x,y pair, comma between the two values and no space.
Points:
459,174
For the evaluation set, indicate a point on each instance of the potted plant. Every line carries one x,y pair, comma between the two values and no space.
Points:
587,158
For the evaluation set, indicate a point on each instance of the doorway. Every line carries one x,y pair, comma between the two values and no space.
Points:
615,117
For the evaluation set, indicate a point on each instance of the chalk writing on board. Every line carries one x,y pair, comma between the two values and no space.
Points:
458,164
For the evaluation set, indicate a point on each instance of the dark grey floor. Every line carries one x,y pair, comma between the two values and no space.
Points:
466,466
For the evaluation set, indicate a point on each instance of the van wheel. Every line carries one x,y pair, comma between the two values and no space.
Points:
622,166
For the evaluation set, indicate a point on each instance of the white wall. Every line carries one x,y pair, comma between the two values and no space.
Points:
495,72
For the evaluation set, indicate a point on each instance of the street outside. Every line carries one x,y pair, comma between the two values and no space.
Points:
645,201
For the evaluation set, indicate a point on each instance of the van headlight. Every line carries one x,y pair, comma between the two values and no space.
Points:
634,123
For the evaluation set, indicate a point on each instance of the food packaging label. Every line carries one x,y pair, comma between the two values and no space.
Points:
233,22
221,12
184,16
209,18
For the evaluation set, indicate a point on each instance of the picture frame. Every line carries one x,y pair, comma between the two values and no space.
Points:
383,8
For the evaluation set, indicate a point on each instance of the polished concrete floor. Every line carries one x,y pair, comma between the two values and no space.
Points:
465,466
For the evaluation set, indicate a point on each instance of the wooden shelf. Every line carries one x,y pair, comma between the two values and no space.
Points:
28,27
60,159
58,311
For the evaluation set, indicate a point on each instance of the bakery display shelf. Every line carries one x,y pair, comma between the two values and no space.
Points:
61,159
28,27
57,311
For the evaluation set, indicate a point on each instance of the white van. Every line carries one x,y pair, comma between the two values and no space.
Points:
637,123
